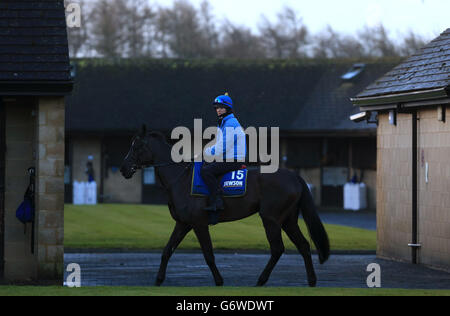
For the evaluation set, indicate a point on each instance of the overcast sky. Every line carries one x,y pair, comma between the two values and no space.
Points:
428,18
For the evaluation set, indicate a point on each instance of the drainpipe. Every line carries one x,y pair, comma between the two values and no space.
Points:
414,245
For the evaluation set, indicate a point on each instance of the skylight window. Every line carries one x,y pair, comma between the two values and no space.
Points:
353,72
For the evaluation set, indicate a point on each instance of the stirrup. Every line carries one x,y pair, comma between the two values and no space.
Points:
219,203
211,208
211,205
213,218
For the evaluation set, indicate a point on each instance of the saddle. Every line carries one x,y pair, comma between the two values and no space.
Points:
234,183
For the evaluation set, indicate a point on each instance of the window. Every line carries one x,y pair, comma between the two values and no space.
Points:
353,72
66,174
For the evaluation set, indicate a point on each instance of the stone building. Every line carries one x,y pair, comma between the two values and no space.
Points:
413,165
306,99
34,79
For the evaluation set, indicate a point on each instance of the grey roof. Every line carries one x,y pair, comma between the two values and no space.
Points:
297,96
427,70
328,108
34,53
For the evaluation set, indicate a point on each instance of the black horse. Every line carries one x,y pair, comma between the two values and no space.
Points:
277,197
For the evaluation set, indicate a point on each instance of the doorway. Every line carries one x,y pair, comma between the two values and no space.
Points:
335,171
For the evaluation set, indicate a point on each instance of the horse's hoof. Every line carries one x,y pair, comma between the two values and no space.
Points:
261,282
159,282
219,283
312,282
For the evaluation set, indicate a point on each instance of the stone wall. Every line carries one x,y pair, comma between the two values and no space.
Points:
394,187
120,190
50,188
434,193
394,183
20,131
34,130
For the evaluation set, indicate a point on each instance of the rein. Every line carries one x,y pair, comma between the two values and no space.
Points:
140,165
166,164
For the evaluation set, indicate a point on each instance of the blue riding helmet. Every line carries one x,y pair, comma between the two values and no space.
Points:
223,100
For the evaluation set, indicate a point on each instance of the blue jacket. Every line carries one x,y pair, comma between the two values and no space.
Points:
230,140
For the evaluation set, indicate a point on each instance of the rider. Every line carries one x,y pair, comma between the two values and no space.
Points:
228,152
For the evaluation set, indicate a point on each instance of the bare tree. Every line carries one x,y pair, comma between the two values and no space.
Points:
77,40
330,44
287,38
412,43
134,28
209,30
240,43
326,44
163,32
150,33
179,27
376,42
78,36
107,32
136,36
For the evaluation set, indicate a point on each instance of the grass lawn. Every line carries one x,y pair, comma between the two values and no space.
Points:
209,291
150,226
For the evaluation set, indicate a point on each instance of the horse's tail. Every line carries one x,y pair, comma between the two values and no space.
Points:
313,222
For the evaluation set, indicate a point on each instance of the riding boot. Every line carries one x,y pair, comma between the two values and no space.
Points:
219,201
213,211
211,204
213,217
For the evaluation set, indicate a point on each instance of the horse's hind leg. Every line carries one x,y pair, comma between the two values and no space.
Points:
202,233
273,233
177,236
290,226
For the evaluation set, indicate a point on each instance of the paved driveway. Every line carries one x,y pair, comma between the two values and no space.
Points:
366,220
189,269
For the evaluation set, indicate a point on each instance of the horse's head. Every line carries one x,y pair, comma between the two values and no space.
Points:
139,155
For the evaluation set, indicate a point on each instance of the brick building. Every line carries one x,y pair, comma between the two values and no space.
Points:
34,78
413,165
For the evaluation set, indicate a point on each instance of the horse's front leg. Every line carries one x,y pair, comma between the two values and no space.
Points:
202,233
178,234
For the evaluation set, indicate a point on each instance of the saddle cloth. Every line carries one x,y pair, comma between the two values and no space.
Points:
234,183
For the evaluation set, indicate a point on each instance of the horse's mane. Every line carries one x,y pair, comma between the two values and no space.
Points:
156,134
160,135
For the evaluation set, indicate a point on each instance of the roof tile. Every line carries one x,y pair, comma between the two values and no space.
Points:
306,97
428,69
33,41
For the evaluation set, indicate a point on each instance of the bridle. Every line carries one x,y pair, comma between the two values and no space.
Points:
160,165
141,165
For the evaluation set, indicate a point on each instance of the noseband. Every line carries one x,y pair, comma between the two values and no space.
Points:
165,164
141,165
